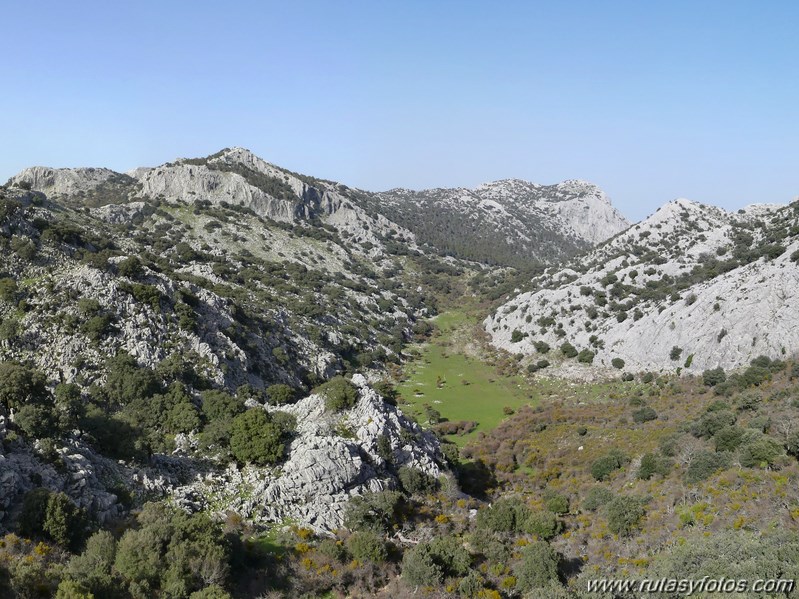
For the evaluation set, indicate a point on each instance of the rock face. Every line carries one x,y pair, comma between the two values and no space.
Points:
83,475
324,469
511,222
716,286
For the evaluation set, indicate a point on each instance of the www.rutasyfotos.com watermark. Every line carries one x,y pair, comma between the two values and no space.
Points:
687,587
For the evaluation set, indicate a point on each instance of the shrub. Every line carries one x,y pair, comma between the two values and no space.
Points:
652,464
714,376
586,356
516,336
36,420
20,384
728,438
568,350
376,512
538,566
542,347
504,515
597,497
367,546
541,364
339,394
704,464
221,405
556,503
645,414
624,514
130,267
280,394
416,482
543,524
602,467
711,422
675,353
428,563
255,438
617,363
760,453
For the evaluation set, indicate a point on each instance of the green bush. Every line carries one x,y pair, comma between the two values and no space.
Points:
556,503
714,376
430,562
542,347
704,464
761,453
603,467
280,394
37,420
377,512
711,422
367,546
543,524
20,384
586,356
416,482
516,336
645,414
221,405
652,464
597,497
568,350
728,438
624,514
339,394
675,353
538,566
255,438
617,363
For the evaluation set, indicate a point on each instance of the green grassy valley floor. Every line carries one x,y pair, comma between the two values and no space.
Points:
450,376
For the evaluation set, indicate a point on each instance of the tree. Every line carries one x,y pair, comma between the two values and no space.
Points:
20,384
366,546
568,350
414,481
70,589
538,566
36,420
602,467
94,567
64,522
623,514
714,376
645,414
339,394
220,405
280,394
255,438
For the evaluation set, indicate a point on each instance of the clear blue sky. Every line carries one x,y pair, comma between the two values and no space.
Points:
650,100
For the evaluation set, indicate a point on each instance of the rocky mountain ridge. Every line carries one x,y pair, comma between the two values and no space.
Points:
510,222
690,288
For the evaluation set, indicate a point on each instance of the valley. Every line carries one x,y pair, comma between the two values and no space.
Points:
223,379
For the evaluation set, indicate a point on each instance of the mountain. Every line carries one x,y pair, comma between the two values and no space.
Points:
690,288
510,222
157,290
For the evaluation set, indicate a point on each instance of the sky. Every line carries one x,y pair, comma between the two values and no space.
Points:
649,100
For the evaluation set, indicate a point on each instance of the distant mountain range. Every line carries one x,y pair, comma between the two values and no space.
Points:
511,222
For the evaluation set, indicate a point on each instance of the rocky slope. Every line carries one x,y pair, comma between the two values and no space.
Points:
509,222
691,287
